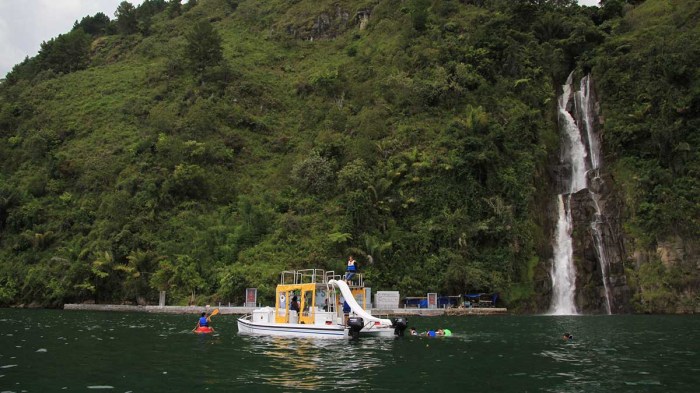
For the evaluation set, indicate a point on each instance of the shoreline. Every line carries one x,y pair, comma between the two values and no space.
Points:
232,310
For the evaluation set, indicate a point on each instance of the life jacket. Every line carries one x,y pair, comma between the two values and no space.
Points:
203,321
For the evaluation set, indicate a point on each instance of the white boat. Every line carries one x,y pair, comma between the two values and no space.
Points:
328,308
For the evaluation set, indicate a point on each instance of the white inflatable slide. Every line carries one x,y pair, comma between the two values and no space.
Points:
356,308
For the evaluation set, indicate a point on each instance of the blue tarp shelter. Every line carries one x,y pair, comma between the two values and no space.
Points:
481,299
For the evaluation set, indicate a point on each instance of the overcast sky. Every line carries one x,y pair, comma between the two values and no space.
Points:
25,24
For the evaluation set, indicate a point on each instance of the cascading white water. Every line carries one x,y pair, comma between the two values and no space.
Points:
563,272
573,149
603,260
583,104
574,154
579,157
584,100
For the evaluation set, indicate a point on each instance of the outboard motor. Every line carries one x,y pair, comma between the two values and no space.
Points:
399,324
356,324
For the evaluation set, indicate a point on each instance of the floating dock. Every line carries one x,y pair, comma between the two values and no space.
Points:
232,310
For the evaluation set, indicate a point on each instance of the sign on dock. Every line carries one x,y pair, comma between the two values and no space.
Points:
387,300
251,297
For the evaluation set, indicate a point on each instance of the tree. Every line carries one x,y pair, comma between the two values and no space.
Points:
203,47
93,25
419,14
314,174
65,53
181,277
174,8
127,22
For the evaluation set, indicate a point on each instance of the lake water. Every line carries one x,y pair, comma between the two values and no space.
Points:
76,351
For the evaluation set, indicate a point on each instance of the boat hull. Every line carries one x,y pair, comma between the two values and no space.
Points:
377,332
246,326
203,330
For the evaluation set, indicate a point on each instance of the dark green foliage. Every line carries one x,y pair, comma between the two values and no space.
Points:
222,145
127,19
203,47
174,8
654,122
65,53
314,174
419,14
94,25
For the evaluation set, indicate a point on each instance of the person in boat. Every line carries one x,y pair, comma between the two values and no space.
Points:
346,309
568,337
295,304
203,321
352,268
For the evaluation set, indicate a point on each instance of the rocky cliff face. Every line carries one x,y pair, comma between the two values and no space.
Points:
591,280
326,24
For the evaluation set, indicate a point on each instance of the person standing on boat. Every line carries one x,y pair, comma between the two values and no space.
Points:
295,305
352,268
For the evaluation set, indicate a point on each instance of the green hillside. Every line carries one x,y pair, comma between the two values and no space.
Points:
202,148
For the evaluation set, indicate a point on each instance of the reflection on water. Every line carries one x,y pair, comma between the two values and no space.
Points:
316,364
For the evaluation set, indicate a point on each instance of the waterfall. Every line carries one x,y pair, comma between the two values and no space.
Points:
597,230
573,155
584,100
580,158
563,272
573,149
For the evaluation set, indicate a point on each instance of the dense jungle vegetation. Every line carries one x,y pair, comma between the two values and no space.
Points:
201,148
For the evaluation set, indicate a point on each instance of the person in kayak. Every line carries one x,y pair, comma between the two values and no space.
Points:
203,321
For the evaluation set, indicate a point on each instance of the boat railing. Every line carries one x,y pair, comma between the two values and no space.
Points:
357,281
319,276
310,276
330,275
288,277
304,276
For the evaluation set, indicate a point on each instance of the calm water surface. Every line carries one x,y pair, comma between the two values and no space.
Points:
58,351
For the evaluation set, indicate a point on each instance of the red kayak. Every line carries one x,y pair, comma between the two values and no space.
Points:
204,330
